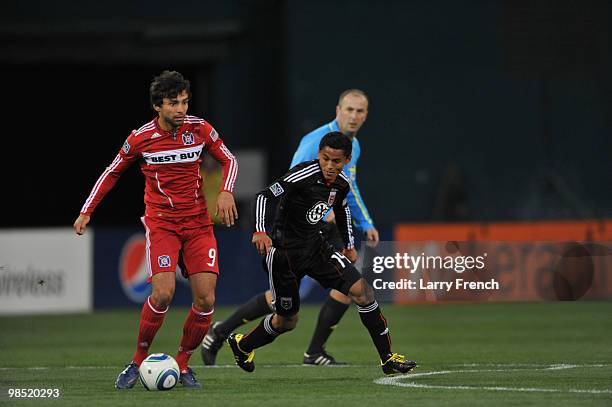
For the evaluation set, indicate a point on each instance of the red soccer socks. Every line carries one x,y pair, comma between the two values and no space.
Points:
151,320
195,328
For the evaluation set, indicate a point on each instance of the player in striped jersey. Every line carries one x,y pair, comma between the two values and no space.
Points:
178,227
351,114
297,248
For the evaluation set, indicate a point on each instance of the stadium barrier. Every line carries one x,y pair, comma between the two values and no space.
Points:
45,271
527,261
54,271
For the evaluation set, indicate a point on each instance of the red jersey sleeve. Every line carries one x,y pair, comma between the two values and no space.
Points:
126,156
215,147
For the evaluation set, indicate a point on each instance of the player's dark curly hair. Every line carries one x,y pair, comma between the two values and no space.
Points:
337,141
167,85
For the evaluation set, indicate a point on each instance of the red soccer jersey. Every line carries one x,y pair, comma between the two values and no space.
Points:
170,162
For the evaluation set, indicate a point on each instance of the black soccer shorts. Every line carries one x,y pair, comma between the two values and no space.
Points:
286,268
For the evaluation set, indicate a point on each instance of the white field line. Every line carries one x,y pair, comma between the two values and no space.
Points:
548,366
399,380
196,366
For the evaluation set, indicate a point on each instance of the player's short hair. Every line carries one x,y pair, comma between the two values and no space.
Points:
352,92
167,85
337,141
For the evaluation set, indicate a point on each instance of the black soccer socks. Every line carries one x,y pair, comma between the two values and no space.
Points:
376,324
262,335
331,313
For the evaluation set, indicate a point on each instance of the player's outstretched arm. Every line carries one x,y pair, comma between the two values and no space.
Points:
129,153
81,223
226,208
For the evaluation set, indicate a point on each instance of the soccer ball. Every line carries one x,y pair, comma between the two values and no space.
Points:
159,372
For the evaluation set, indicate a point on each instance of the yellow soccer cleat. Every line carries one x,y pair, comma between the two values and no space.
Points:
397,364
243,359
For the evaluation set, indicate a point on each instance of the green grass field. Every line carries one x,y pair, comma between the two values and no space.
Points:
469,354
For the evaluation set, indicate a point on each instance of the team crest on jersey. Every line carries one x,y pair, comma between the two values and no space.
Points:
332,197
126,147
276,189
214,135
163,260
188,138
286,302
316,213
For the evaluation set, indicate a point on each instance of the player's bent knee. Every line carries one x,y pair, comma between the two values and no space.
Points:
163,285
205,303
363,301
362,293
269,298
285,324
338,296
161,299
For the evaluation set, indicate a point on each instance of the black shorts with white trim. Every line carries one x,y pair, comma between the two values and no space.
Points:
286,268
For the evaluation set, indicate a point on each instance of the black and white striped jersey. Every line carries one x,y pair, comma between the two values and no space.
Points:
304,198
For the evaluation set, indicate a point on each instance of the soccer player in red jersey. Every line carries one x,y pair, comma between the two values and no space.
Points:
178,227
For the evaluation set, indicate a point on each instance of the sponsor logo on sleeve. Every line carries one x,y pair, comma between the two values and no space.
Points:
126,147
276,189
214,135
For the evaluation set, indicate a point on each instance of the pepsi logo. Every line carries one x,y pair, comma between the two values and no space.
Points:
133,270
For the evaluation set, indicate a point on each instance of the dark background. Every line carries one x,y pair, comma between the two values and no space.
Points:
479,110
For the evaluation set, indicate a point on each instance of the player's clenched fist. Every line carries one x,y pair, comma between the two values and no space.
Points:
81,223
262,242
